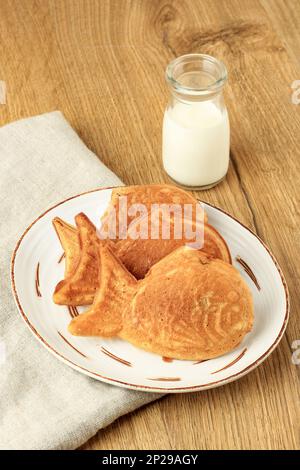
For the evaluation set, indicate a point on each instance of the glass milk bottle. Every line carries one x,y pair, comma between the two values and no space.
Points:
196,132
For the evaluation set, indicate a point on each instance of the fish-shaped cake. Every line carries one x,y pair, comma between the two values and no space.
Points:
188,306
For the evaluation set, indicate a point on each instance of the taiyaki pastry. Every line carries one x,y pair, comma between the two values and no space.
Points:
81,283
69,239
189,305
124,198
139,255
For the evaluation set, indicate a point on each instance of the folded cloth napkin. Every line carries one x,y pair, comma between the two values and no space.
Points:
44,404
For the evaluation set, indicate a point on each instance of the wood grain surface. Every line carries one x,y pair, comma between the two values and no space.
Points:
102,63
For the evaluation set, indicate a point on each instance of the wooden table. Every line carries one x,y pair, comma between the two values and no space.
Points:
102,63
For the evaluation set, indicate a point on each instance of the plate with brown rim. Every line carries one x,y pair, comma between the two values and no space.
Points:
37,266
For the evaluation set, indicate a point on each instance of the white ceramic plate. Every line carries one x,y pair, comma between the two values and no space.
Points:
36,270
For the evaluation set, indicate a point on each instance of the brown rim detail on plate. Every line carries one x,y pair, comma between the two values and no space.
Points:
116,358
217,383
37,280
232,362
73,311
248,271
167,359
61,257
165,379
71,345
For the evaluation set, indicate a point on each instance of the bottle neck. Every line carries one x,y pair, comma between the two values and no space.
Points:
196,78
215,98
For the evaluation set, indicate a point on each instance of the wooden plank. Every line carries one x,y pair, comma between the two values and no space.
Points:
102,64
284,16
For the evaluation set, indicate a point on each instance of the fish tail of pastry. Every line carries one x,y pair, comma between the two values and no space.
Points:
117,286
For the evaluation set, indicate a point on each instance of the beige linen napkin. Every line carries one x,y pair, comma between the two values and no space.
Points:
44,404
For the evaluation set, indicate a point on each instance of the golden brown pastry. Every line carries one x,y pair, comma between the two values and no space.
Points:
69,239
80,286
147,195
139,255
117,287
188,306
